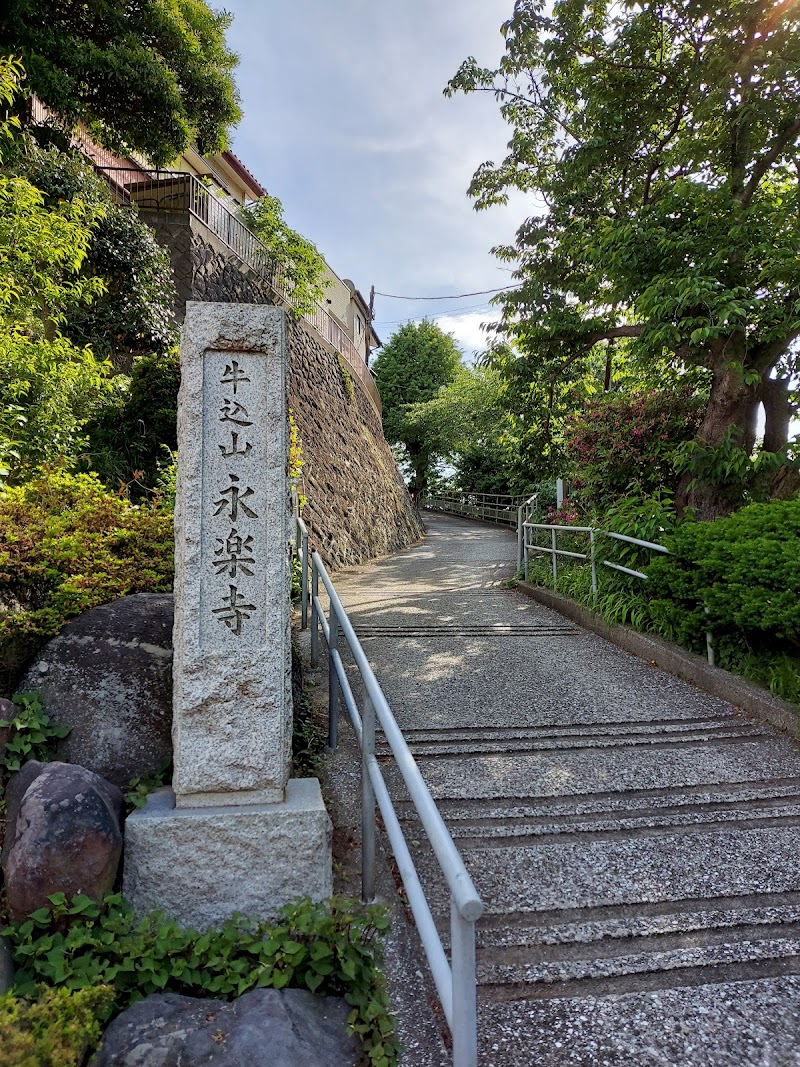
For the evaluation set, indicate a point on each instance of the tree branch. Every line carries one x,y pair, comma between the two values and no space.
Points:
765,162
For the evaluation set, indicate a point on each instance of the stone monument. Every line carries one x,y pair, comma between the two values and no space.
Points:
235,833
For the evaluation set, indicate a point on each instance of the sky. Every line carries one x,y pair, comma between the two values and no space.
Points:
345,121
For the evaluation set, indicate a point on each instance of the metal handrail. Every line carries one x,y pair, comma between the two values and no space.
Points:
172,190
500,508
455,979
594,532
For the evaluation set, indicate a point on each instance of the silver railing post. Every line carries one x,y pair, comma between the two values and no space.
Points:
555,557
520,535
709,641
464,1028
314,614
304,580
593,560
333,682
367,802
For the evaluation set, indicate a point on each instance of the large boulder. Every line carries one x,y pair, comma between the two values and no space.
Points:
108,676
63,835
265,1028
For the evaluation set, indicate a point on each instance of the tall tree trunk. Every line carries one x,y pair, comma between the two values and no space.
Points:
732,404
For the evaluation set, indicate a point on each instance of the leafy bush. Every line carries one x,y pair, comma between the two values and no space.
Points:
745,570
67,545
331,948
57,1030
626,442
33,735
127,441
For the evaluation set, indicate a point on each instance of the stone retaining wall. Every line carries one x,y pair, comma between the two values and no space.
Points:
357,503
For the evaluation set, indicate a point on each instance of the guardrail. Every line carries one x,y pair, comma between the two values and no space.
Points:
160,190
489,507
454,978
525,536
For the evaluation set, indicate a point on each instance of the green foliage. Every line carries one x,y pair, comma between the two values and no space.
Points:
134,314
153,77
309,739
292,260
55,1030
67,545
347,378
49,388
128,438
625,443
138,789
662,139
331,948
411,367
468,423
32,733
738,577
739,476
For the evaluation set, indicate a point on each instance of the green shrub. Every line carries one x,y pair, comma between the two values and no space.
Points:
67,545
332,948
128,439
57,1030
32,734
623,443
745,570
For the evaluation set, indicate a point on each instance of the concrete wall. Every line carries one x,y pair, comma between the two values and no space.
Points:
357,504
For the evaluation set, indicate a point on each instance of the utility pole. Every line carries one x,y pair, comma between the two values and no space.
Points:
369,319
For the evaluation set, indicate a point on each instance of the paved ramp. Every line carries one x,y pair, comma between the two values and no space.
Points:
636,842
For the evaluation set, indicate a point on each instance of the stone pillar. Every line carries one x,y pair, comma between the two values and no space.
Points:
232,697
236,834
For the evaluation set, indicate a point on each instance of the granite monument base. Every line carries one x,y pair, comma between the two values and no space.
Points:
200,865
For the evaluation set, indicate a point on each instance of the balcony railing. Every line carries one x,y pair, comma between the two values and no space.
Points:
178,191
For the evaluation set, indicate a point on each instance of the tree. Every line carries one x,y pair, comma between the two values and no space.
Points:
151,76
411,367
49,388
663,139
133,315
468,423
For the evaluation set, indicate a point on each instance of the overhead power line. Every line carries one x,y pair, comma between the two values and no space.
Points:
456,296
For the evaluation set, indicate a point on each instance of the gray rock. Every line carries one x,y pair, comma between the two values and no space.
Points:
6,966
265,1028
65,837
17,787
108,676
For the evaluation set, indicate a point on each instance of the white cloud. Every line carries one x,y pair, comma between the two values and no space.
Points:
467,330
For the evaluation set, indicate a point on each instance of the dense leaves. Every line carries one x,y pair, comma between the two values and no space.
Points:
332,948
49,387
134,314
744,569
151,76
411,367
55,1030
661,140
291,259
67,545
625,443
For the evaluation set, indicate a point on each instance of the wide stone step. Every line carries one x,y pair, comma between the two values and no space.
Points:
633,803
515,740
654,963
580,928
721,1020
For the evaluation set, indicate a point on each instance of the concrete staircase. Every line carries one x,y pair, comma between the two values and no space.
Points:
636,842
